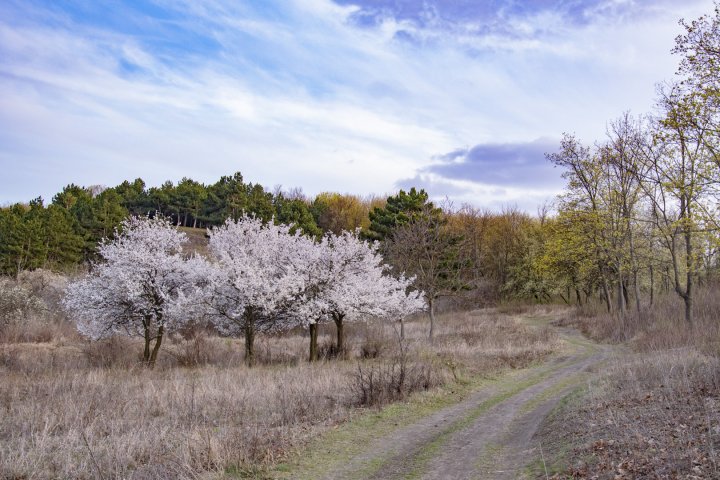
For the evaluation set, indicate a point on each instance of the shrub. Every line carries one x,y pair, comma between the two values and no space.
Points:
16,302
382,382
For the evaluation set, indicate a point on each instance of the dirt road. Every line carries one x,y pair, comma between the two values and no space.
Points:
487,436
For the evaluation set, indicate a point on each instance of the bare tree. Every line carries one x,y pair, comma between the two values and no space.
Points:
426,249
677,180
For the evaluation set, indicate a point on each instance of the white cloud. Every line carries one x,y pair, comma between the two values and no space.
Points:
296,94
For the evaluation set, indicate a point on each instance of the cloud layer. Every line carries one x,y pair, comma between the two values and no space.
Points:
348,96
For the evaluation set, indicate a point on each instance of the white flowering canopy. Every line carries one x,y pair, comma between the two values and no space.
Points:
257,266
143,282
346,279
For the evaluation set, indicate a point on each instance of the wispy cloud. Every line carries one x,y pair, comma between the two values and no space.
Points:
348,96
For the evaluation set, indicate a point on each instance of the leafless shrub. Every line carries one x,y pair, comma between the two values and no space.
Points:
373,340
30,309
383,382
47,287
113,352
16,302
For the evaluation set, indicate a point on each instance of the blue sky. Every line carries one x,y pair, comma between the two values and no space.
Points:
460,97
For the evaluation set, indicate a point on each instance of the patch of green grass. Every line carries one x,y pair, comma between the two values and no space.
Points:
554,460
553,391
492,450
255,473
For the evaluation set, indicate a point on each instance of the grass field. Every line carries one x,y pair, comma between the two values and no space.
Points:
75,409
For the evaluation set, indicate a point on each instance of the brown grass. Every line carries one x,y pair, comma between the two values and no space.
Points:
658,328
654,412
74,409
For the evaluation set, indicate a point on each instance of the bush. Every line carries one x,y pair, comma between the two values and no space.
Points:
30,308
112,352
16,302
381,383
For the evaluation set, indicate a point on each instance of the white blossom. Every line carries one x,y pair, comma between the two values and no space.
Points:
143,285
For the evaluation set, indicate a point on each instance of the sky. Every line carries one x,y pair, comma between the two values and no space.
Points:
460,97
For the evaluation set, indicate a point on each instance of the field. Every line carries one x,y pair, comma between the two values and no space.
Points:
75,409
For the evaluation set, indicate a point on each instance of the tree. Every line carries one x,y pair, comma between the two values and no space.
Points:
699,67
584,198
190,196
134,197
257,272
676,180
295,212
22,245
358,284
334,212
431,253
399,210
143,285
231,197
64,245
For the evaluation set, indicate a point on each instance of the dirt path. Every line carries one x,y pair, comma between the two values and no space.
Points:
487,436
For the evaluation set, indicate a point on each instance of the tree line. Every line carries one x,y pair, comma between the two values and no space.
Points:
66,233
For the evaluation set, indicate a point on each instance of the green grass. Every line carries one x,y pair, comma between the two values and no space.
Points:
553,391
558,462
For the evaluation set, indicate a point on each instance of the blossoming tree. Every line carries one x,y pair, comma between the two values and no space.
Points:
345,279
257,271
143,286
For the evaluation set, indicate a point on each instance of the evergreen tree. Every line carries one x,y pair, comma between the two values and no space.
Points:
295,212
399,210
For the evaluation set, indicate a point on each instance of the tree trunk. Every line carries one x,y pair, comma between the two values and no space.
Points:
626,297
402,329
431,308
578,297
249,338
606,294
566,300
633,261
313,342
194,221
156,348
340,345
689,310
652,285
620,296
146,352
689,280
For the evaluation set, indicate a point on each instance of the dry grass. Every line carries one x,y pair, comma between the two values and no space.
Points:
658,328
75,409
654,412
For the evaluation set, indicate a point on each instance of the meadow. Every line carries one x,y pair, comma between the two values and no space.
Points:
79,409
